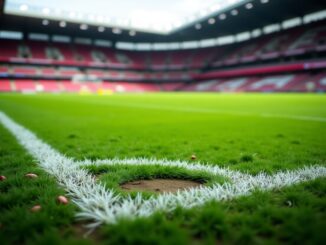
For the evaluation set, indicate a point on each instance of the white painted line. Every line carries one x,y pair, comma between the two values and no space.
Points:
100,205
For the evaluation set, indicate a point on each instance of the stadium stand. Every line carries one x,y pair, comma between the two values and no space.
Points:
37,50
290,60
25,86
48,86
5,86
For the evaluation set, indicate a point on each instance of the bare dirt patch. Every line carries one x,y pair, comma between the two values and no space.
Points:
160,185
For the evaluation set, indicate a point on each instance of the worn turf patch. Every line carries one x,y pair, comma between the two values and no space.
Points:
159,185
116,176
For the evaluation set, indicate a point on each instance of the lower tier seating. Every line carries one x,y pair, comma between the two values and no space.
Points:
302,82
295,82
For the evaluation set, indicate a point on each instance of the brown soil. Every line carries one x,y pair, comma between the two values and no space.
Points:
160,185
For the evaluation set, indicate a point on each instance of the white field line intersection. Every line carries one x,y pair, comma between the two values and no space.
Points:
99,205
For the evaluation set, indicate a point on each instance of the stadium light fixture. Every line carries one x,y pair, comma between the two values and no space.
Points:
249,6
101,29
264,1
62,24
222,16
234,12
132,33
45,22
116,31
83,27
198,26
211,21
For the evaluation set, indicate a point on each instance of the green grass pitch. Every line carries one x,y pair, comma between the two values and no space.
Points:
245,132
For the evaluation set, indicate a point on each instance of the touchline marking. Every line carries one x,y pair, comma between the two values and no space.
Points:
99,205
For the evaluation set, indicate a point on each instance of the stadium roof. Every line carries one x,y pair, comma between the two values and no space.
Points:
159,16
245,16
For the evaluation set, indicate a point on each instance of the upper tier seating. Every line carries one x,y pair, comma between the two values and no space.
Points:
37,49
8,49
292,42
